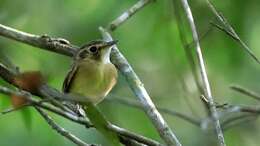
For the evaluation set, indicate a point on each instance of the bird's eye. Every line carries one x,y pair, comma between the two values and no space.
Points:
93,49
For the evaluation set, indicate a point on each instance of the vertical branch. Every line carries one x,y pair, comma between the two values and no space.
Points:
138,88
186,46
207,90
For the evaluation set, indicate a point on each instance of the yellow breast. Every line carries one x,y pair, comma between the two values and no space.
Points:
94,80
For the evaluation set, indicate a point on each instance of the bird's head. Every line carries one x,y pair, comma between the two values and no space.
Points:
97,50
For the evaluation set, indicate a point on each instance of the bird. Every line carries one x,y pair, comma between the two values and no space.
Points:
92,75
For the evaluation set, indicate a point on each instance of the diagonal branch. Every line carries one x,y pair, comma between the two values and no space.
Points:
61,130
228,29
245,112
138,88
207,90
246,92
127,14
234,121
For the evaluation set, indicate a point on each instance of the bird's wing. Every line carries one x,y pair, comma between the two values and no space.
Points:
70,75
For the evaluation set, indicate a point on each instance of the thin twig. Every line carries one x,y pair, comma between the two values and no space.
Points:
61,130
12,109
245,110
233,121
138,138
207,90
228,29
245,92
138,88
161,109
127,14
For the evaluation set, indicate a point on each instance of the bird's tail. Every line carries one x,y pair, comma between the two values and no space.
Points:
101,124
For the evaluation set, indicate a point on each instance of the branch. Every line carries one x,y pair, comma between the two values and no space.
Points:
61,130
186,45
38,104
138,138
247,112
245,92
12,109
44,42
205,80
127,14
228,29
161,109
138,88
233,121
43,105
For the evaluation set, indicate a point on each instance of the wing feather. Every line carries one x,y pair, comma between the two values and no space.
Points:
69,78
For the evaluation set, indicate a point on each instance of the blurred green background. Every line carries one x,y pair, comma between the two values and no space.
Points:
150,41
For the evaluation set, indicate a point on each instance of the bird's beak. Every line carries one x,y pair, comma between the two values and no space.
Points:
109,44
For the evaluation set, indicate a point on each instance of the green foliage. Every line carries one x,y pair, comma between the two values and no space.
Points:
151,42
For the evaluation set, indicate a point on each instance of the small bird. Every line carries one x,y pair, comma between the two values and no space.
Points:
93,76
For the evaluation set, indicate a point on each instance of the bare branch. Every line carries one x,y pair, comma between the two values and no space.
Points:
138,88
207,90
228,29
127,14
245,92
44,42
61,130
134,136
161,109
